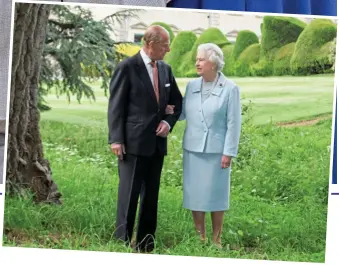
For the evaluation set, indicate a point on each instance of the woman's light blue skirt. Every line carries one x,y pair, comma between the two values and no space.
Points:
206,185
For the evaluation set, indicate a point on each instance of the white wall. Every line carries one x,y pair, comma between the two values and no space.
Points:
184,19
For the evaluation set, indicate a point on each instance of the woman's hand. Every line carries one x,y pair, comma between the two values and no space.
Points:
169,109
226,161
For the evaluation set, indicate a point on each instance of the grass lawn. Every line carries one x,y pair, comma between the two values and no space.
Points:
277,99
278,193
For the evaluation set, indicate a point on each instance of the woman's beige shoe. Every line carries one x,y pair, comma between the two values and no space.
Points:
203,239
217,245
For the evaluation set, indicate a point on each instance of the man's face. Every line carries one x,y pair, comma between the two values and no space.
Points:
159,49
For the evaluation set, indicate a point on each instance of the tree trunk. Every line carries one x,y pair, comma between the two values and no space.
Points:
26,167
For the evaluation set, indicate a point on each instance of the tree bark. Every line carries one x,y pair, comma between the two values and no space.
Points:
26,167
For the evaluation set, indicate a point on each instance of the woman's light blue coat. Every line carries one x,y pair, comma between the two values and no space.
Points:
213,126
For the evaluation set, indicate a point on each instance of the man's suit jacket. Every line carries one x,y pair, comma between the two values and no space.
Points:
213,126
133,112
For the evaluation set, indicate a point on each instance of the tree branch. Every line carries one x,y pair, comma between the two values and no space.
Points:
48,41
63,26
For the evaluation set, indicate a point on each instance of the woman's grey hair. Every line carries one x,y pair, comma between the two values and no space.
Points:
213,53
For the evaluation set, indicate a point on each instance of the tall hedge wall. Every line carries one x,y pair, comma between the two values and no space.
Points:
312,48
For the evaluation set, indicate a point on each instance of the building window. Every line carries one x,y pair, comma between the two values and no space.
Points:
138,37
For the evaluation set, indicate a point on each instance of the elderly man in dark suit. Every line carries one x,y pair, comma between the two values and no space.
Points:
141,88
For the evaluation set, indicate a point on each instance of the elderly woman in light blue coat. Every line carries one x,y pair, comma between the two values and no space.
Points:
212,111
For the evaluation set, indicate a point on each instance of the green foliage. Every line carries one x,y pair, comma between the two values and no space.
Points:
276,33
312,48
167,27
325,58
279,183
332,53
184,62
229,62
191,73
78,48
263,68
282,60
246,59
282,38
245,38
279,31
210,35
181,45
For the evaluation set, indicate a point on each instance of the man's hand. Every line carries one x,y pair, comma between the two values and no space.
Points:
118,150
162,129
169,109
226,161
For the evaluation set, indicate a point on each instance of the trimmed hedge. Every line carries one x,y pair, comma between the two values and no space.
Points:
262,68
181,45
245,38
186,68
282,60
246,59
228,67
276,33
313,47
167,27
288,46
279,31
324,59
332,54
210,35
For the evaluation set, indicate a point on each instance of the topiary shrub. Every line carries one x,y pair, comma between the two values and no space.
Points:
186,66
210,35
276,33
191,73
279,31
313,47
262,68
324,59
332,54
247,58
167,27
281,65
229,63
245,38
181,45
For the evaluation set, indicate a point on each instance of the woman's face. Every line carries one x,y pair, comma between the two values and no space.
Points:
203,65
